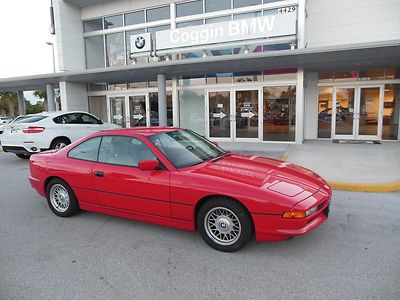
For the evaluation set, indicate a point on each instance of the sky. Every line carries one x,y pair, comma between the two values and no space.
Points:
23,36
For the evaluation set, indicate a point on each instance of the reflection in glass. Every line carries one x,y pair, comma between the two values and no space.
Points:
369,111
344,111
118,112
391,112
219,78
94,48
137,110
112,22
159,13
115,49
93,25
247,114
213,5
325,112
153,97
133,18
189,8
279,113
243,3
191,110
219,114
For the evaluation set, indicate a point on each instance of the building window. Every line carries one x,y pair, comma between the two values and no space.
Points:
391,112
98,106
115,49
133,18
159,13
243,3
279,113
189,8
324,112
189,24
214,5
94,48
113,22
94,87
253,14
154,117
154,29
117,85
192,110
93,25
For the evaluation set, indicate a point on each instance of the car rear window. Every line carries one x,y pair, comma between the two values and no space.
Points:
32,119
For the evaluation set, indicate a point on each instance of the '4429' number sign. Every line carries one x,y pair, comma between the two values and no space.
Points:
285,10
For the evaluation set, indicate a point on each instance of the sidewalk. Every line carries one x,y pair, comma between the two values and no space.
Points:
360,167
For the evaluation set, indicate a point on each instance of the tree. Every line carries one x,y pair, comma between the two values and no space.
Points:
8,103
34,108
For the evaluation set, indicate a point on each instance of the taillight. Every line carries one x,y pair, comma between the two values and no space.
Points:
33,129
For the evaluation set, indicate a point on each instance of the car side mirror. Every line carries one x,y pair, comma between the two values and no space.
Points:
146,165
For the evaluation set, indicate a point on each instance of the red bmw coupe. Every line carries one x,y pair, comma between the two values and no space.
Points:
174,177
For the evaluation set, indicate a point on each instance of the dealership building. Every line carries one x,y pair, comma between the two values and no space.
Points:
231,70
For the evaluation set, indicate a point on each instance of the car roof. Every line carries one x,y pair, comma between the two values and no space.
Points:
58,113
144,131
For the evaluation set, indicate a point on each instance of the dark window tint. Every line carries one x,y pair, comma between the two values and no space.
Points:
88,119
69,119
124,151
159,13
32,119
93,25
189,8
112,22
136,17
214,5
87,150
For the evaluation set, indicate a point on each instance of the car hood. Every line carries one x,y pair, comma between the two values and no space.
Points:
261,171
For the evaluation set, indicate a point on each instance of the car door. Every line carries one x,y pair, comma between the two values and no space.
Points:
71,125
90,123
120,184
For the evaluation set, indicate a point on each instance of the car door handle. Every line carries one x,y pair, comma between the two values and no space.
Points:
98,173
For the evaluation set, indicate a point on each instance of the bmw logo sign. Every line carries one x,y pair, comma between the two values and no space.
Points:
140,42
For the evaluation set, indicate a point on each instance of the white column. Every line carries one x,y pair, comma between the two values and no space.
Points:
175,102
162,100
51,104
301,25
73,96
300,107
21,103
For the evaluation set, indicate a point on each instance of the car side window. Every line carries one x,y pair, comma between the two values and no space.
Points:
88,150
124,151
88,119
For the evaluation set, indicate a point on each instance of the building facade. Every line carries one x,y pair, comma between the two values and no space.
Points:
232,70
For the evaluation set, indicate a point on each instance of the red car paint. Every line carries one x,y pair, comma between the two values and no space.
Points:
170,197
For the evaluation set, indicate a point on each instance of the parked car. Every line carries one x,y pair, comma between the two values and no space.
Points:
13,120
49,130
5,120
174,177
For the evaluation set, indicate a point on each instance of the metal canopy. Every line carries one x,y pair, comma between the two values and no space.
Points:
353,57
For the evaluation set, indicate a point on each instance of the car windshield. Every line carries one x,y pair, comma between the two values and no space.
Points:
184,148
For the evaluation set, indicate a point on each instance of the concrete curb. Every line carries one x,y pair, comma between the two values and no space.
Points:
384,187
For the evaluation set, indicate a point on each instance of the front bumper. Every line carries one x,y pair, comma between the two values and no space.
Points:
270,228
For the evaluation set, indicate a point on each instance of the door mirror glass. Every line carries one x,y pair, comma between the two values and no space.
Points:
148,165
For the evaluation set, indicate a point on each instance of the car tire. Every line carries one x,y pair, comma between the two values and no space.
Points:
23,156
59,143
61,199
224,224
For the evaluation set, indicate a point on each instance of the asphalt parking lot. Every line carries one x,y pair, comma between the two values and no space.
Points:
355,255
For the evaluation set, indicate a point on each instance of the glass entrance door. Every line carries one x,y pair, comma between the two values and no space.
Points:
137,111
118,110
246,107
357,113
219,115
233,114
129,111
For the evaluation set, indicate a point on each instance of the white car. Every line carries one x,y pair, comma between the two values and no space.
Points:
49,130
17,118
